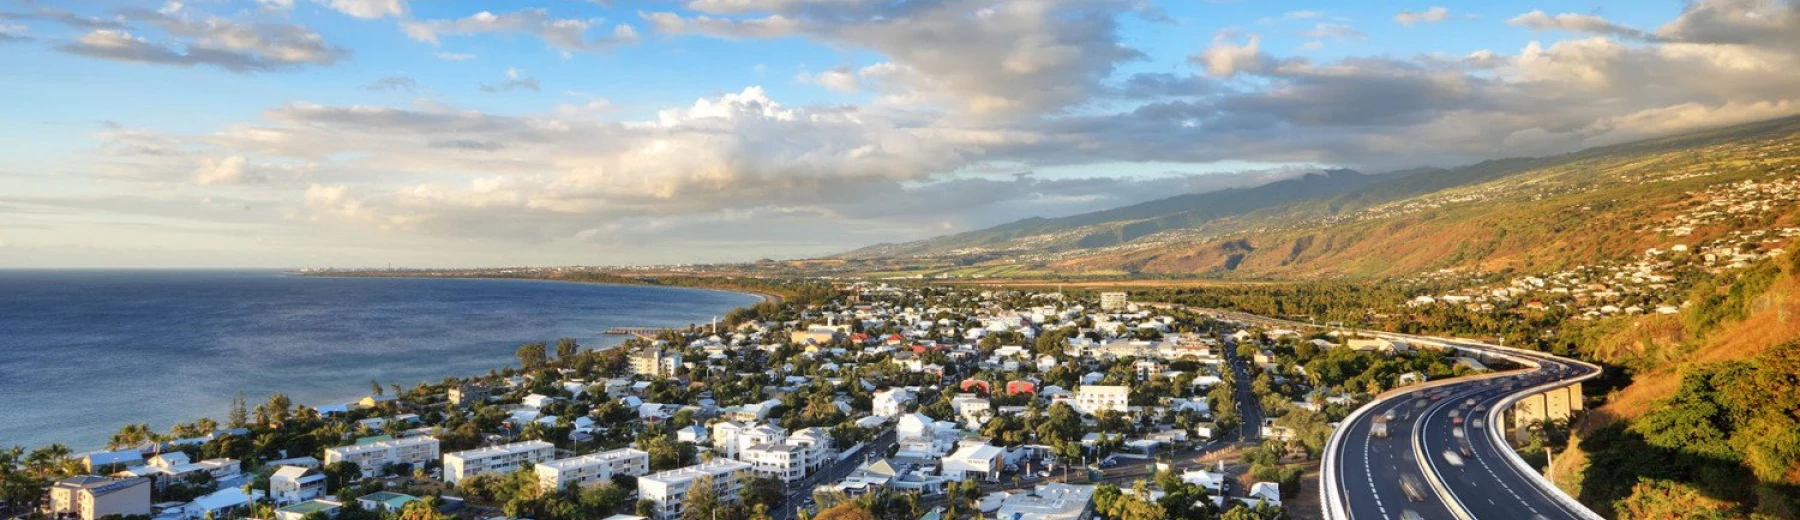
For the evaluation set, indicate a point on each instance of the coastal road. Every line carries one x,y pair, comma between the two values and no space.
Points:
1362,474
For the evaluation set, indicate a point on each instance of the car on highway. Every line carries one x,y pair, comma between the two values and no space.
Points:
1456,432
1453,458
1414,490
1410,515
1476,423
1468,402
1420,403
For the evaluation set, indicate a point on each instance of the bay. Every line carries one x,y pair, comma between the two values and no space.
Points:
85,352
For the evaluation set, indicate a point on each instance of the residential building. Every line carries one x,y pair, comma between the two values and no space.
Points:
89,497
666,489
592,469
218,504
1265,492
1092,399
784,462
693,434
373,458
292,484
1114,301
1052,501
96,462
814,444
504,458
974,461
385,501
468,394
732,438
300,510
892,402
655,362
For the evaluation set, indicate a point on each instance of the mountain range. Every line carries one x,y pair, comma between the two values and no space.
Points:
1514,212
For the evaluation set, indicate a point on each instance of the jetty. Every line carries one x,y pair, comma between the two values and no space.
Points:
639,331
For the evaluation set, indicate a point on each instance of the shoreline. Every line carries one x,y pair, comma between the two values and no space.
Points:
603,343
766,296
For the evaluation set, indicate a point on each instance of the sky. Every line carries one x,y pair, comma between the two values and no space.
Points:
437,133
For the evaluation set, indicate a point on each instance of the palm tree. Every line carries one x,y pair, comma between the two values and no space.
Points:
47,462
131,435
533,431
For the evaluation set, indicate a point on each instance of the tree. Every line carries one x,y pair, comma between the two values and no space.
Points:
846,511
131,435
645,507
600,501
420,510
566,349
375,387
702,500
1662,499
239,415
763,491
339,475
532,355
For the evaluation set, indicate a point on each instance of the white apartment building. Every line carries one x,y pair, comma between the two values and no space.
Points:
732,438
1091,399
372,457
667,488
784,462
892,402
815,443
592,469
504,458
1114,301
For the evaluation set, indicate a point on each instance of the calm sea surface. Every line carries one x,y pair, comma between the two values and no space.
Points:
84,352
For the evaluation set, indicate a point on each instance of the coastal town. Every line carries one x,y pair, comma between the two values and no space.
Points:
860,398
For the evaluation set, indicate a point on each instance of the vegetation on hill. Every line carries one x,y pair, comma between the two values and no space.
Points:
1526,214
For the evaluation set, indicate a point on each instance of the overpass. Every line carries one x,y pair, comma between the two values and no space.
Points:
1461,469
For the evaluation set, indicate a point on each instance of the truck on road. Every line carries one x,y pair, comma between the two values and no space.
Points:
1379,428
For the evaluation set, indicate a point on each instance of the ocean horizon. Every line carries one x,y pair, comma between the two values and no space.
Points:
83,352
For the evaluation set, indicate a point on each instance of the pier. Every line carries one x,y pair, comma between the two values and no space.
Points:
648,332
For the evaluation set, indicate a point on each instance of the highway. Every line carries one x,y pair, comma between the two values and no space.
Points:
1363,475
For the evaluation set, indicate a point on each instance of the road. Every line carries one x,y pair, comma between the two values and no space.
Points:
832,472
1364,474
1248,406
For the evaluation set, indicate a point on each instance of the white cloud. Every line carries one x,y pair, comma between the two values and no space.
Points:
841,80
206,40
1432,15
1541,21
1227,57
566,34
997,59
515,80
366,9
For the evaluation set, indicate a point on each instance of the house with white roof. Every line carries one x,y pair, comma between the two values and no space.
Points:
974,461
291,484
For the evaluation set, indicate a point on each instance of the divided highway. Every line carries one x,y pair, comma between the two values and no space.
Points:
1445,455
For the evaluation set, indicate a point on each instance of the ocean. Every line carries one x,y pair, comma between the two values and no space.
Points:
85,352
